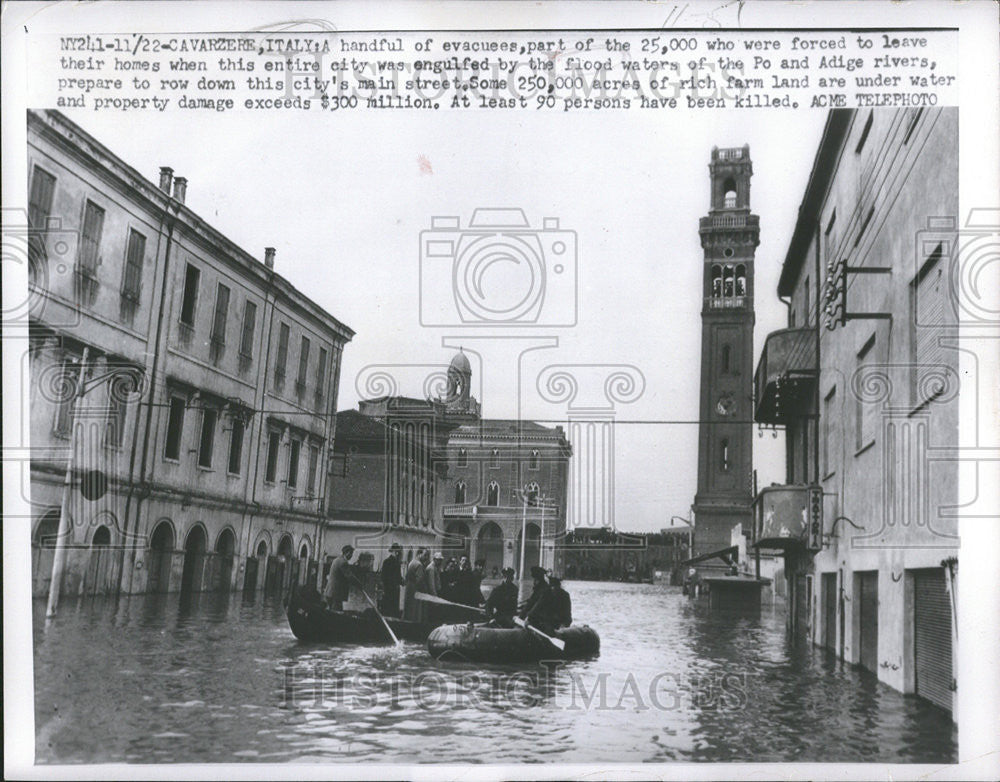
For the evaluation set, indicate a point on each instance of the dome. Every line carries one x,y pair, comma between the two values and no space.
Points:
461,363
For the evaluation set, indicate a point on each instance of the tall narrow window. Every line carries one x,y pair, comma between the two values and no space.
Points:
741,280
293,463
246,334
495,458
236,445
88,258
313,464
463,458
864,225
132,276
929,314
321,377
281,359
724,455
192,278
716,282
175,428
727,281
493,494
209,418
218,337
829,427
271,466
806,303
534,460
39,210
300,380
460,493
864,412
726,355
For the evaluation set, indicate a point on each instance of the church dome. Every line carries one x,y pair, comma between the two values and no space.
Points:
461,363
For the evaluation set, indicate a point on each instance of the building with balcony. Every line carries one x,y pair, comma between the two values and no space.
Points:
433,472
864,383
197,454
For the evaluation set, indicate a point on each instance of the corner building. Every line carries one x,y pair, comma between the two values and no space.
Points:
864,381
200,445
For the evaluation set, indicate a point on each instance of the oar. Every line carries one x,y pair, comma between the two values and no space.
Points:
371,602
558,643
441,601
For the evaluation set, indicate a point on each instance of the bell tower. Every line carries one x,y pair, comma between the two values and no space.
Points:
729,237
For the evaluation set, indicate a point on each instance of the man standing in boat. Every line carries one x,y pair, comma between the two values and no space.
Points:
468,587
561,601
416,578
539,608
434,574
392,580
501,605
338,582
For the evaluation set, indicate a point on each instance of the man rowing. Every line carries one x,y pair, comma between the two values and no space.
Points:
540,608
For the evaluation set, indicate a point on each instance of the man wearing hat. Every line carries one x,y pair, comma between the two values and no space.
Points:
562,603
338,582
413,609
539,609
501,605
392,580
434,572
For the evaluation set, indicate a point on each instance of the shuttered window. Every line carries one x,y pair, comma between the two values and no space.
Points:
90,239
132,280
249,323
928,317
932,637
282,358
39,209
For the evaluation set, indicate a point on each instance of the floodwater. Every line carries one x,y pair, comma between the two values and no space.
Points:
154,679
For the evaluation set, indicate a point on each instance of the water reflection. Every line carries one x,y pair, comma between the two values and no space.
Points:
219,677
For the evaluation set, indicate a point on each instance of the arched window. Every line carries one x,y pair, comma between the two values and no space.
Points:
531,492
741,280
460,493
727,281
534,460
729,199
726,355
463,457
493,494
724,456
495,458
304,552
716,282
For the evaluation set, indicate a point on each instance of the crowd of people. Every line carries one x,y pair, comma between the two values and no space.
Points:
548,607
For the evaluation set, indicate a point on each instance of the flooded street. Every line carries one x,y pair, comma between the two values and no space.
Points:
153,679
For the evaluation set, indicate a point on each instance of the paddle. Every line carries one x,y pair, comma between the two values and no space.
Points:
441,601
558,643
371,602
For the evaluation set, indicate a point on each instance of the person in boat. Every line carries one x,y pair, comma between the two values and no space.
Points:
416,581
468,589
563,604
539,608
434,574
392,580
501,605
340,578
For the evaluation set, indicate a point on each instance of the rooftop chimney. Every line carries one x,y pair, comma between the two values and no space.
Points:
166,175
269,257
180,188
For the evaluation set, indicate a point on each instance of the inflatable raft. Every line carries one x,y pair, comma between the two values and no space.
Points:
488,644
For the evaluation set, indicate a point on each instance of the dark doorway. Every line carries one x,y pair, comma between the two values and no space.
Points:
828,586
194,561
532,548
490,546
159,558
100,564
867,596
225,548
932,637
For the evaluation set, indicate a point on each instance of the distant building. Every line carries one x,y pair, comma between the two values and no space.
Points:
201,444
435,473
604,554
864,381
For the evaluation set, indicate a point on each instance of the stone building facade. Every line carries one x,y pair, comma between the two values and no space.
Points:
864,381
200,443
435,473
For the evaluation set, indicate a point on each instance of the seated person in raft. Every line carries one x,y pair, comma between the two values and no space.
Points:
501,605
539,610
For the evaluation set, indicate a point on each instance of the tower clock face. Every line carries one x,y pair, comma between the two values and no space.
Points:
726,405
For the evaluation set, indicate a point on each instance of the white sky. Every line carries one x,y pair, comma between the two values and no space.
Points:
344,198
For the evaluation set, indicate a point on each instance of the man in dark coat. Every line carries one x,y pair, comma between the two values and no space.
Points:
563,604
539,609
392,580
501,605
467,585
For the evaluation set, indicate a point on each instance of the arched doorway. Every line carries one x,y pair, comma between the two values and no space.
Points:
194,560
253,566
456,542
159,558
43,547
532,549
100,564
489,546
225,548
